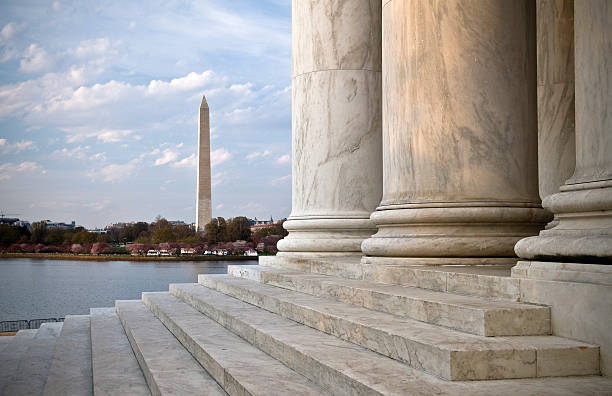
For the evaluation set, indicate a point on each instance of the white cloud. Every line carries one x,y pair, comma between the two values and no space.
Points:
94,47
280,180
167,157
35,59
10,170
220,206
187,162
219,156
219,178
284,159
258,154
76,152
9,30
6,147
115,172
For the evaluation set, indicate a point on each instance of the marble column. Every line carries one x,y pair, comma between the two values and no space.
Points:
556,141
583,206
337,165
460,174
204,199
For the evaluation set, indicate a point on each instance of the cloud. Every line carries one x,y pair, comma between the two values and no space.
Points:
219,156
76,152
6,147
258,154
220,206
280,180
167,157
284,159
94,47
114,173
104,135
187,162
35,59
219,178
10,170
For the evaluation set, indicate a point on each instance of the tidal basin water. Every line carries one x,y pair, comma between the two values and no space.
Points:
36,288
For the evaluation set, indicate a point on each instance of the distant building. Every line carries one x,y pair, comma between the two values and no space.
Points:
259,224
60,226
8,220
98,231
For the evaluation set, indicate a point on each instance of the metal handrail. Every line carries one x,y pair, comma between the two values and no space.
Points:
16,325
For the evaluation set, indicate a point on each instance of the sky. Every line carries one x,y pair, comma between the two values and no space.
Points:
99,106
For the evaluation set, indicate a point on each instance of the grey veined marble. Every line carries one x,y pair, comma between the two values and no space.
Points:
337,165
556,123
583,206
459,130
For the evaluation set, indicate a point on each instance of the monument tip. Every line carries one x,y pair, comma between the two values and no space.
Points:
204,104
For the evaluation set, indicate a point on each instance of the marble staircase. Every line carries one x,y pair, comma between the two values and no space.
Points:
261,330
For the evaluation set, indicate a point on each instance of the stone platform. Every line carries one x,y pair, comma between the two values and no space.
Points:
265,330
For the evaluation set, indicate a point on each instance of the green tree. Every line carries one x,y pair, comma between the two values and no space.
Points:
38,231
239,228
9,234
212,231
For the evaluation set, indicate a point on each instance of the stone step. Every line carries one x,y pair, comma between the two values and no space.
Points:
488,281
440,351
168,367
465,313
348,369
70,372
229,359
115,368
12,353
5,341
33,367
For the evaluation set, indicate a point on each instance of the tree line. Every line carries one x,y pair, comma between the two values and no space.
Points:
78,240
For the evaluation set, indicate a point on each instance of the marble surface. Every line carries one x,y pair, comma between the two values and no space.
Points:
593,35
70,372
336,125
12,353
336,35
115,368
203,189
459,131
579,310
464,313
459,102
229,359
168,368
345,368
556,123
32,368
443,352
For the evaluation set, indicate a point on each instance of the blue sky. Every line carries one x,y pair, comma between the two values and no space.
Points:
99,104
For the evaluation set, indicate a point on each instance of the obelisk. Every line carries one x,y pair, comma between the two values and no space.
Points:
204,203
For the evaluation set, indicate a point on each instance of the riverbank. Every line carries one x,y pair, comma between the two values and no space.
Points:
122,257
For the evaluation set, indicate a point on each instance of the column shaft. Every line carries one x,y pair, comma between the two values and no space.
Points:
584,205
337,165
556,124
460,169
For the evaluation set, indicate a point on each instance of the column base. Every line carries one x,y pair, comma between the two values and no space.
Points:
449,233
325,235
584,230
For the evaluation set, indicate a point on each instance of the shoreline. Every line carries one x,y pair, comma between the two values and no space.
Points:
119,257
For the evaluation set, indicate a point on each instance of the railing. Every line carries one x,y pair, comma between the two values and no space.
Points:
16,325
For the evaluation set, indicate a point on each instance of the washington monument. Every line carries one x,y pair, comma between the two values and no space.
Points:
204,203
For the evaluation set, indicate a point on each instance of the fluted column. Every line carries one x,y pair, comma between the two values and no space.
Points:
460,182
556,141
583,207
337,165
